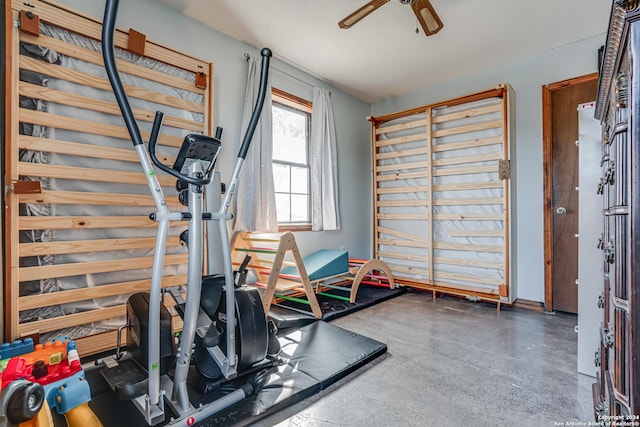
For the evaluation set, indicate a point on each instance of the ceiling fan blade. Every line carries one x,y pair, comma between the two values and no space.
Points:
427,17
365,10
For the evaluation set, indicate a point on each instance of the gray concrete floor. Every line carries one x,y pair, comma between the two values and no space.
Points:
451,362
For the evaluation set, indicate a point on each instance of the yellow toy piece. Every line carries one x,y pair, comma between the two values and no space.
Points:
82,416
43,419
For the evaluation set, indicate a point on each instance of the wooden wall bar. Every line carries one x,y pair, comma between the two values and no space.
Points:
441,202
78,237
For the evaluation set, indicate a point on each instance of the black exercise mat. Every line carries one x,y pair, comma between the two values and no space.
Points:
313,357
333,308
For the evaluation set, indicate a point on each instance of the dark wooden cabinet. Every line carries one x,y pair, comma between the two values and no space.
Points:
616,394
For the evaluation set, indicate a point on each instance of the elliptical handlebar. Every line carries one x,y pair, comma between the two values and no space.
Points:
262,91
155,131
108,55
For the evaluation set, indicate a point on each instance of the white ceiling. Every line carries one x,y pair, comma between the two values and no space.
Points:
382,56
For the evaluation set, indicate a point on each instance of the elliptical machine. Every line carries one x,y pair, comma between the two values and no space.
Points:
224,324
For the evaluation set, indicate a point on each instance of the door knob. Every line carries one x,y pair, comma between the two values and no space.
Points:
561,211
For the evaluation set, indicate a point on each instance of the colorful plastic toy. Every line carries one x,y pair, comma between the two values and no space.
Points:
16,348
20,402
53,368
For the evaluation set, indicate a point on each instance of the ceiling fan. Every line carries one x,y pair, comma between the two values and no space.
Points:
424,11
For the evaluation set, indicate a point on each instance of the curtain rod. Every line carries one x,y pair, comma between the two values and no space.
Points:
247,56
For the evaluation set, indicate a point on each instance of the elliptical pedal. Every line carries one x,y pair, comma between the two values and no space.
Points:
126,379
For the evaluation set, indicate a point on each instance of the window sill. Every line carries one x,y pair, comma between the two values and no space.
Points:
294,227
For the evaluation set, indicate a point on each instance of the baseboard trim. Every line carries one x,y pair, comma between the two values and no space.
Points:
529,305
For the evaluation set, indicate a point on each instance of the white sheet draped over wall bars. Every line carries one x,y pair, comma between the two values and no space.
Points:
323,164
81,246
441,195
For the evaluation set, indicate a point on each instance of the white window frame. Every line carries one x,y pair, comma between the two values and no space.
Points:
291,101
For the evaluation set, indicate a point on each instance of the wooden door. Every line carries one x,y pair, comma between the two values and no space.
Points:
560,123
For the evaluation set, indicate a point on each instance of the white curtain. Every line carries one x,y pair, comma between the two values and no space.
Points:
324,174
256,203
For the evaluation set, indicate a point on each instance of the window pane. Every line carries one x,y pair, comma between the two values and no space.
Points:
291,172
299,180
281,178
299,208
289,135
283,206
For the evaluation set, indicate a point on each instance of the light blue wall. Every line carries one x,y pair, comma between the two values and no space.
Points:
526,76
168,27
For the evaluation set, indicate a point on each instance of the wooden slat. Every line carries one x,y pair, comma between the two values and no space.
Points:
83,222
91,27
505,290
94,57
496,92
476,233
420,151
10,157
404,243
466,171
83,294
404,217
90,80
98,245
403,166
469,263
397,233
71,320
473,143
483,294
99,343
89,174
403,203
469,217
86,198
284,285
475,127
439,275
430,253
399,190
87,126
263,239
406,269
468,186
401,176
465,114
400,140
74,148
374,184
208,111
468,201
468,247
79,101
85,150
488,157
106,266
403,126
398,255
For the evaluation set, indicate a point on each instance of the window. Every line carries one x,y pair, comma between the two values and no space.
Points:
291,127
